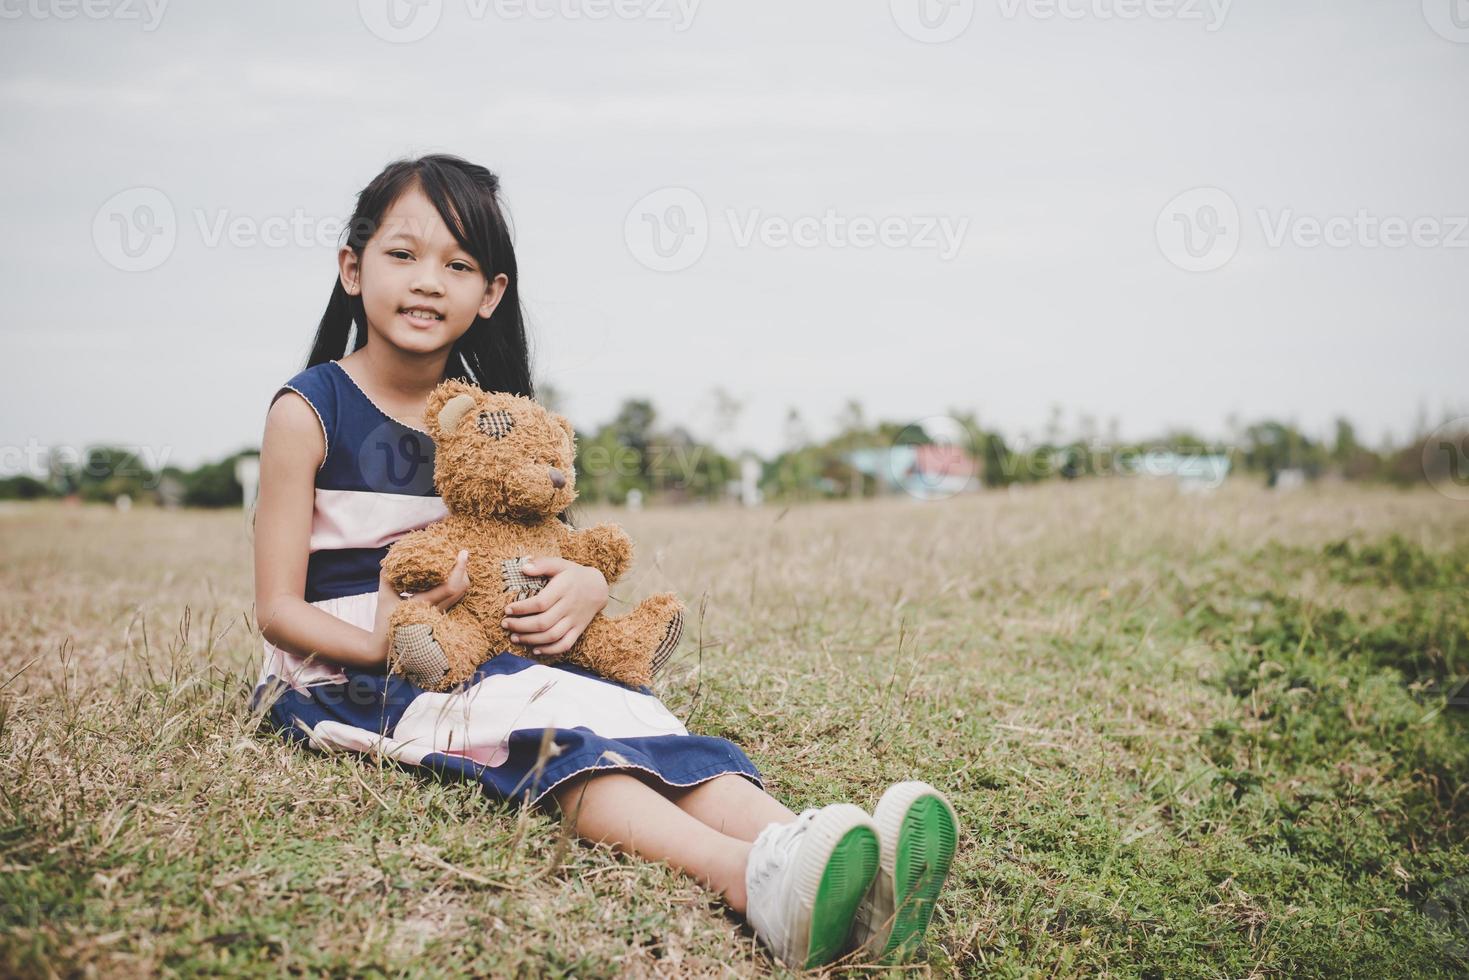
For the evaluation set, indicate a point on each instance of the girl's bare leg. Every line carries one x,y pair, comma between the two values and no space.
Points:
635,818
730,804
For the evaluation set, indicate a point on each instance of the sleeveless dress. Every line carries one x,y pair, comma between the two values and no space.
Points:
374,486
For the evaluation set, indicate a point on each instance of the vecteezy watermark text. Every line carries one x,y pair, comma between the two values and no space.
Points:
676,462
406,21
137,229
99,462
1202,229
1363,229
669,229
148,12
833,230
1210,13
937,21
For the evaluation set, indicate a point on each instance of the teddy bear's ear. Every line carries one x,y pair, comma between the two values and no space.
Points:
447,405
565,424
454,410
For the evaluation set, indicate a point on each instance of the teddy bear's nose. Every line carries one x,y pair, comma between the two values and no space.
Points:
558,479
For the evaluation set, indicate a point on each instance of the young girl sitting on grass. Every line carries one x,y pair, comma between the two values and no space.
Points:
428,279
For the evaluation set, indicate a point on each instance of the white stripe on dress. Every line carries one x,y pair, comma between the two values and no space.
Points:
368,519
476,722
300,672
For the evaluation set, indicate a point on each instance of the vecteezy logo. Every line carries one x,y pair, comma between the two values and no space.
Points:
667,230
1199,230
396,459
1446,459
933,458
1448,907
652,712
1448,18
400,21
932,21
135,230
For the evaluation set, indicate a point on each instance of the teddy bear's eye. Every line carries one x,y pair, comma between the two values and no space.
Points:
496,424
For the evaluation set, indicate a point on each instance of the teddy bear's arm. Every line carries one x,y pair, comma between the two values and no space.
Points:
605,547
420,560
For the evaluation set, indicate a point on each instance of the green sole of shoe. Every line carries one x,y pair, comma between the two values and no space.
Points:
847,876
925,851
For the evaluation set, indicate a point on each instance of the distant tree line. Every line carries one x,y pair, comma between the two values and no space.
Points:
105,473
634,454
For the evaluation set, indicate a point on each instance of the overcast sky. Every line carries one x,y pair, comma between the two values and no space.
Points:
1162,212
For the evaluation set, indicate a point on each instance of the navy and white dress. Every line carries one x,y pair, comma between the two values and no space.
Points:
374,486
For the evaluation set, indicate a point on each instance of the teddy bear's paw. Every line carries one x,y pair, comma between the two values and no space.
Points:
418,655
672,632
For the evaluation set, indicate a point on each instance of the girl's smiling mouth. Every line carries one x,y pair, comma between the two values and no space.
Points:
421,316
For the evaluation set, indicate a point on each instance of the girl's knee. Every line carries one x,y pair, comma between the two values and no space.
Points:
576,790
565,793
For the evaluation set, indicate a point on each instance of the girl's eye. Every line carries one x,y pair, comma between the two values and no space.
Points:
399,253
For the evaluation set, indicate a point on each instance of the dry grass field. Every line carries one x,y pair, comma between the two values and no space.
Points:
1187,736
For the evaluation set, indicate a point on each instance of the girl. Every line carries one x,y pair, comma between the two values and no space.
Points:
427,290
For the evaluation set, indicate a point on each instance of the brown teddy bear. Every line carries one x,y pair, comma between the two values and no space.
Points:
503,466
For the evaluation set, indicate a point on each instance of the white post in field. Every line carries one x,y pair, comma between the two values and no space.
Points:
750,481
247,475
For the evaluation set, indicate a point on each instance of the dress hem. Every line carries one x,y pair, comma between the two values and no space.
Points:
711,772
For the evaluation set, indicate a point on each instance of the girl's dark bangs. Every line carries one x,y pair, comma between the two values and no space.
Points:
462,212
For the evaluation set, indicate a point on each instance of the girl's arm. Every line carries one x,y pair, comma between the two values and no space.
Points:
291,451
290,454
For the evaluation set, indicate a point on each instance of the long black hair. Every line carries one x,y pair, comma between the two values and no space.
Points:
492,353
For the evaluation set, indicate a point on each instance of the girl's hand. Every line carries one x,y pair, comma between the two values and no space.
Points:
553,619
444,595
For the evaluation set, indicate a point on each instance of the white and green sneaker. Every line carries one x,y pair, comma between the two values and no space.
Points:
804,880
919,831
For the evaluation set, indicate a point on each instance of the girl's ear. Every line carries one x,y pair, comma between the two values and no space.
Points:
446,406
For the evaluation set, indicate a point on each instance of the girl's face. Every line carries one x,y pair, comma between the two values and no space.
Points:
420,289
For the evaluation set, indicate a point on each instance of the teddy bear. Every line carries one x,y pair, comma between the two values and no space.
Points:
503,466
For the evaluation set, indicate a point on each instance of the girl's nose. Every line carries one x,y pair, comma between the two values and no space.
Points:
558,479
428,282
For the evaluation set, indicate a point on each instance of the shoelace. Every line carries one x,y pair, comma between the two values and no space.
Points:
776,841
